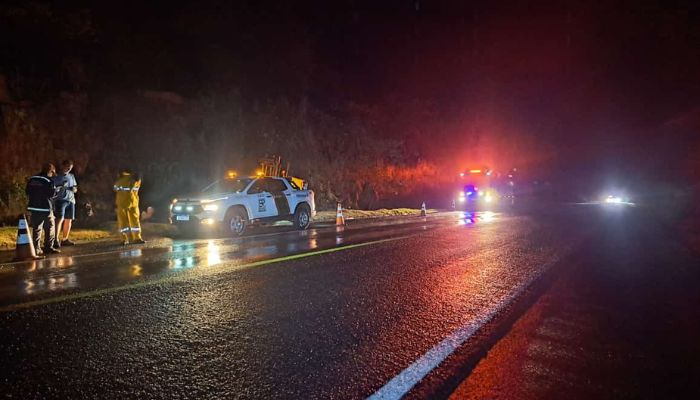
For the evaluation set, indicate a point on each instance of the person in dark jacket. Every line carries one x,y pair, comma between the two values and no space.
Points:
41,193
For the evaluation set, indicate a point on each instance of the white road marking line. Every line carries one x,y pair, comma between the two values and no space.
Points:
402,383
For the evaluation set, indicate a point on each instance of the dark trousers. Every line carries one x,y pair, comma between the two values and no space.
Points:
43,221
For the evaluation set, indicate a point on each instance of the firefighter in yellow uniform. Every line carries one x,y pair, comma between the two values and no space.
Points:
127,200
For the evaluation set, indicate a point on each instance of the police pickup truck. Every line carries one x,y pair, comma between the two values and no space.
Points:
235,204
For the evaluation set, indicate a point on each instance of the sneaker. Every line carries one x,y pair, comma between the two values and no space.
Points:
51,250
139,241
67,242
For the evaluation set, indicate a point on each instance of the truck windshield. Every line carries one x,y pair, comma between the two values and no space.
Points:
226,186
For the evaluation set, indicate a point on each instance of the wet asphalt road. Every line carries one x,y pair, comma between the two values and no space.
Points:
620,321
317,314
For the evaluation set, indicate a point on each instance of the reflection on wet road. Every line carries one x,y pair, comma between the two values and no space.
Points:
327,313
62,274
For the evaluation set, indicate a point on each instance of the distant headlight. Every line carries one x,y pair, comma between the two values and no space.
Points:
210,207
613,199
189,208
462,199
488,198
177,208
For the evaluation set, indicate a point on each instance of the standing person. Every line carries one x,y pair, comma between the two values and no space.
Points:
65,203
41,192
127,200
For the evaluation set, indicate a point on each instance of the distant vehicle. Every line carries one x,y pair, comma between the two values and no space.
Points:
481,189
617,200
234,204
476,191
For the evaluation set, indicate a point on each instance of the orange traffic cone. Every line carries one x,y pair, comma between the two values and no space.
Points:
423,211
339,219
25,247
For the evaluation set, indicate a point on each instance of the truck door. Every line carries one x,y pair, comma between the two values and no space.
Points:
279,192
260,200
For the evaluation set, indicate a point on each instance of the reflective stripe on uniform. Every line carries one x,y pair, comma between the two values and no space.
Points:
38,209
41,177
123,188
124,230
136,229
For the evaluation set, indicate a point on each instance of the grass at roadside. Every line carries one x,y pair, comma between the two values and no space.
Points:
8,236
108,230
323,216
150,229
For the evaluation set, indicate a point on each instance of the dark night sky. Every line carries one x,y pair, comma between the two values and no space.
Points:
565,85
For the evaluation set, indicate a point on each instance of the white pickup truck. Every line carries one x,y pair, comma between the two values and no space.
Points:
235,204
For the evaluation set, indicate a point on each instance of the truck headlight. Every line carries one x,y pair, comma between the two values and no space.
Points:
210,207
177,208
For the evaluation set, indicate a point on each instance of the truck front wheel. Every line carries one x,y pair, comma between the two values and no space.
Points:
236,222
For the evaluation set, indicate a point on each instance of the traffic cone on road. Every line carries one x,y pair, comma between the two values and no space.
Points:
339,219
25,247
423,211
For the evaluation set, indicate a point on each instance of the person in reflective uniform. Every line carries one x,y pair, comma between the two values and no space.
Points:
127,201
41,192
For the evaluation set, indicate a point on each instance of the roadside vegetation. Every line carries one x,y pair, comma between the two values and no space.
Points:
325,216
107,104
8,236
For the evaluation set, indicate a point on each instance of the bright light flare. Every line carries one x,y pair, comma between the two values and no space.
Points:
613,199
213,254
210,207
487,216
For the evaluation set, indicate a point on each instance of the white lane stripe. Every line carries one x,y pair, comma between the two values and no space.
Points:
402,383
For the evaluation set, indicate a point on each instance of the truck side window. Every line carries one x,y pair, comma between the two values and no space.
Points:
276,186
258,187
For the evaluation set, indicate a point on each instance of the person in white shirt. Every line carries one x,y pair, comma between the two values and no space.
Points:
65,203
